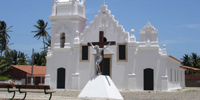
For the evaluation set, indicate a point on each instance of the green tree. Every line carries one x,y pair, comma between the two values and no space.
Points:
195,60
48,43
40,59
4,37
186,60
12,58
41,31
192,60
22,58
6,61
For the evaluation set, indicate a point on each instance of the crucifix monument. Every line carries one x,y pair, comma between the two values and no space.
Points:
99,47
101,86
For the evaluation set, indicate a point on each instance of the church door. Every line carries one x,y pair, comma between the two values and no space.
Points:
106,67
148,79
61,78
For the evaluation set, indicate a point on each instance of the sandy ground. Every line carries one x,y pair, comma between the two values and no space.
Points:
183,94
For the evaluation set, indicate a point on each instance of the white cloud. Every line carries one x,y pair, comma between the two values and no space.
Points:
169,41
89,11
194,26
191,26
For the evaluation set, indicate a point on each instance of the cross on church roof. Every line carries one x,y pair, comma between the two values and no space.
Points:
101,43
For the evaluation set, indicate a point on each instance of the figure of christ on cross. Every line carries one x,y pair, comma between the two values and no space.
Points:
99,47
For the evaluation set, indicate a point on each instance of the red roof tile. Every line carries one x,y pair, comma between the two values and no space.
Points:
37,70
187,67
174,58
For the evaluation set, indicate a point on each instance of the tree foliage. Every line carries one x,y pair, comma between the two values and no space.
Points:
192,60
12,57
48,43
4,37
40,59
41,31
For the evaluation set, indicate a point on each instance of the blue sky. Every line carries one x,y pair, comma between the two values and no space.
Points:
177,21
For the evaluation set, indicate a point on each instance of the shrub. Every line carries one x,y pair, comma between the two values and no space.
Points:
3,78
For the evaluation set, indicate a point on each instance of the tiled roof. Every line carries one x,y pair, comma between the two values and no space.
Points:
174,58
187,67
37,70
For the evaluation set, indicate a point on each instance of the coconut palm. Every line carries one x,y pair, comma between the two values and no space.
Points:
192,60
4,37
41,31
14,55
12,58
186,60
6,61
39,59
22,58
195,59
48,43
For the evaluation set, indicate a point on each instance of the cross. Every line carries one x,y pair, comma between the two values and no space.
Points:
101,44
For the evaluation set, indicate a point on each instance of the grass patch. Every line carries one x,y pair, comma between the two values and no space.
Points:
3,78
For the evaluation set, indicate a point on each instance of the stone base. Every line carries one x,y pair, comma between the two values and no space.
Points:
101,86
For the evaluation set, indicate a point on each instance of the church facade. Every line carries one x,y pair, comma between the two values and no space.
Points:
132,65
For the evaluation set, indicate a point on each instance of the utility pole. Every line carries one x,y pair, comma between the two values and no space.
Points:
32,67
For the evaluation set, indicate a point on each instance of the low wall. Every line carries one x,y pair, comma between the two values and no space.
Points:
192,80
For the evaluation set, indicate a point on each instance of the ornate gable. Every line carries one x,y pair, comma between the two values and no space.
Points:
104,21
149,34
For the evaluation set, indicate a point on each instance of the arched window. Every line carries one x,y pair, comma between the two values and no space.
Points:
62,40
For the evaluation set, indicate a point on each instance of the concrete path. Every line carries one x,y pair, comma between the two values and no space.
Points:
184,94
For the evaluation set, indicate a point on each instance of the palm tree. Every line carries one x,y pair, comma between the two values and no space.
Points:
14,56
39,59
6,61
186,60
22,58
195,60
41,31
48,43
192,60
4,40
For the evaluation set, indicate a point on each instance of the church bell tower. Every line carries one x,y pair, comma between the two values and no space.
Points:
67,22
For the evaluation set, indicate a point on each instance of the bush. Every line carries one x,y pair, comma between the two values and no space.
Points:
2,78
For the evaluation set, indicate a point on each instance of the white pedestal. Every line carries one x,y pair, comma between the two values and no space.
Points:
101,86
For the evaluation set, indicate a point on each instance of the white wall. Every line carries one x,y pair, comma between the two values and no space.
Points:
128,74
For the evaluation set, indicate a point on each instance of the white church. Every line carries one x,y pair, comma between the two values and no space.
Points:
132,65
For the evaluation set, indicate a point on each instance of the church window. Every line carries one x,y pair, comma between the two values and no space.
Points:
62,40
171,74
181,76
85,53
122,52
175,75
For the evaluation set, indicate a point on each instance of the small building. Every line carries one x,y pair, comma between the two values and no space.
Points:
23,73
192,79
